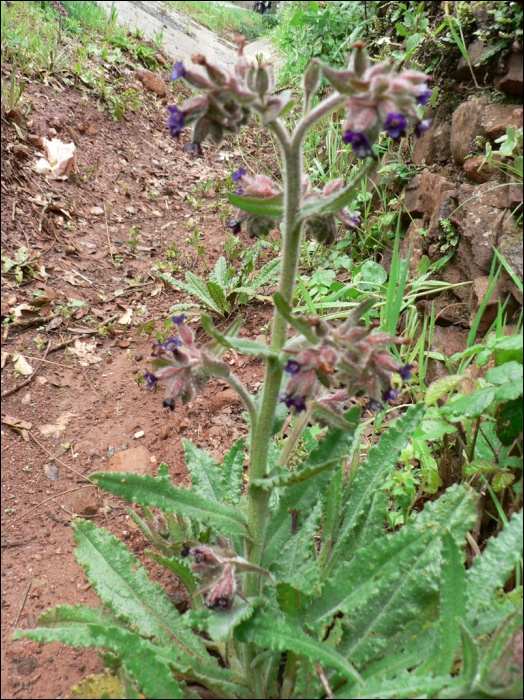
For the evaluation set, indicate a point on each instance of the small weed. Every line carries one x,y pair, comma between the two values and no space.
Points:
134,239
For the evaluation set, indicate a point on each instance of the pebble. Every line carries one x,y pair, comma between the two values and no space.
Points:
139,434
110,450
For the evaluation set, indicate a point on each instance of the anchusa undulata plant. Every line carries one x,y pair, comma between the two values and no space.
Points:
294,587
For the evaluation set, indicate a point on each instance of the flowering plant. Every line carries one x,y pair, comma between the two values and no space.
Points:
296,589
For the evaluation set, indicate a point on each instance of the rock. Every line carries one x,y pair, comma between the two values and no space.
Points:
151,82
20,152
476,52
448,341
96,211
511,81
92,130
222,399
86,501
476,173
73,134
413,205
80,127
55,123
512,250
465,126
36,141
479,291
480,11
160,59
497,118
416,241
514,196
135,460
431,188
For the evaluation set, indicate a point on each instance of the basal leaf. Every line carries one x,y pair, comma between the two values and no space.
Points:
205,472
232,472
273,207
285,634
219,274
452,603
405,685
266,274
285,477
472,405
382,458
149,490
218,296
123,585
491,571
194,285
67,615
179,567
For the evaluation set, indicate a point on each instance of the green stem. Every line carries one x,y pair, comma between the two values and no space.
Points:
291,442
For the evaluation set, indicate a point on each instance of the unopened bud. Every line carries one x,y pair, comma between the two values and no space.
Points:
360,58
259,226
322,228
196,80
262,81
311,79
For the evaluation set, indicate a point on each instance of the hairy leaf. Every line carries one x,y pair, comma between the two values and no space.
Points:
405,685
154,491
437,389
452,603
219,274
285,634
69,616
297,323
232,472
246,347
491,571
179,567
382,458
205,472
220,625
218,296
271,206
284,477
266,274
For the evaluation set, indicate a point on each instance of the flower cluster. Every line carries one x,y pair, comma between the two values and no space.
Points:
227,99
324,228
178,363
218,573
257,187
350,355
379,99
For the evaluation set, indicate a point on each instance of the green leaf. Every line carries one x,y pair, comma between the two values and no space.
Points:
219,274
205,472
491,571
297,323
218,296
266,274
194,285
297,565
452,603
510,422
437,389
390,582
220,625
148,490
232,472
433,429
285,634
373,272
472,405
287,478
142,659
246,347
179,567
470,656
272,207
122,584
509,372
401,29
67,615
413,42
405,685
382,458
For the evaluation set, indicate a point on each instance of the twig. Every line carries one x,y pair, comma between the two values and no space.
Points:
323,679
18,517
23,602
82,276
59,460
49,362
29,379
92,387
474,546
108,238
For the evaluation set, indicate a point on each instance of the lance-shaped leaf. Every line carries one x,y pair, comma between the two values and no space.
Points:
141,658
452,603
272,207
297,563
405,685
216,349
232,472
282,477
205,472
333,419
297,323
149,490
392,581
382,458
220,625
285,634
246,347
491,571
397,568
69,616
179,567
159,542
123,585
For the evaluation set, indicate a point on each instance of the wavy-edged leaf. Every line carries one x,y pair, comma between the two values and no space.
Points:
232,472
219,273
141,658
437,389
285,634
273,207
220,625
198,288
183,307
452,607
297,323
284,477
473,405
491,571
204,470
382,458
385,584
216,349
149,490
179,567
218,296
122,584
405,685
266,274
69,616
297,565
470,656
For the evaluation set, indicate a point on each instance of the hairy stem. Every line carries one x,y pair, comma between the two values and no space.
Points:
291,442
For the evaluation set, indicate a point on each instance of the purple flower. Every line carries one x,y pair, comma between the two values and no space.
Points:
293,367
354,219
396,125
238,175
359,143
178,320
234,225
178,71
175,121
421,127
150,380
239,191
423,96
194,147
405,372
296,402
390,395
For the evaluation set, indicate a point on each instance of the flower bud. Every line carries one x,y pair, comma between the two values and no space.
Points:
322,228
259,226
311,80
201,130
196,80
360,58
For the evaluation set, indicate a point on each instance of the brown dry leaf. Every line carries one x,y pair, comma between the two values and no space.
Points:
19,426
55,323
55,430
126,318
86,353
156,290
21,365
5,357
51,471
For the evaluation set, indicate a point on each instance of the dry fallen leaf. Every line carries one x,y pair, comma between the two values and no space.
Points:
19,426
126,318
54,430
5,357
85,353
21,365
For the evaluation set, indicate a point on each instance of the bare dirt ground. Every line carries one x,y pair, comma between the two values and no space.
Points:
84,412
